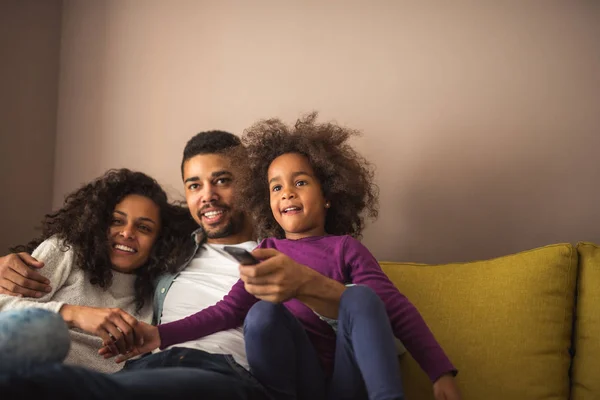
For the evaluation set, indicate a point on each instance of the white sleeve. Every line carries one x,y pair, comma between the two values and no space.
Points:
57,267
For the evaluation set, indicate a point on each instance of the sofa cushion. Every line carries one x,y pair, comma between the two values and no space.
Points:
586,363
506,323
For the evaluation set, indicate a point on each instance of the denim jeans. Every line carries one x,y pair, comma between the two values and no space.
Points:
32,337
284,360
175,373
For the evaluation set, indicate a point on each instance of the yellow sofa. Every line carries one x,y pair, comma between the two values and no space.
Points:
520,327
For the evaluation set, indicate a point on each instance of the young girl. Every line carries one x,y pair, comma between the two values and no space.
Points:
319,189
307,190
102,251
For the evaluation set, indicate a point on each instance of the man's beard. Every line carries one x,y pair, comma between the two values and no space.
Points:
221,233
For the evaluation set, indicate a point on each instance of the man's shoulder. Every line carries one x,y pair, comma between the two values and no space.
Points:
184,258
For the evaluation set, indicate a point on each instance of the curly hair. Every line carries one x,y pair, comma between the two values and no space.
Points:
83,222
345,176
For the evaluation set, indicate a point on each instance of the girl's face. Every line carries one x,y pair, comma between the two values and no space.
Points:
134,227
297,200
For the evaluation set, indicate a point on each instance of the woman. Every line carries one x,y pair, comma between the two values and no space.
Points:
102,252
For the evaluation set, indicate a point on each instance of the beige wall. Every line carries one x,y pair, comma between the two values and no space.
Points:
29,46
483,120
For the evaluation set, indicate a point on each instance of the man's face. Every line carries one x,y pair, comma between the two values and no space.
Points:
208,185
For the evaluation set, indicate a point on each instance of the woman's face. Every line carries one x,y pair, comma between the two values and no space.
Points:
134,227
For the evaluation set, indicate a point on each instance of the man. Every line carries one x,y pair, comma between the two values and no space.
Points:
214,366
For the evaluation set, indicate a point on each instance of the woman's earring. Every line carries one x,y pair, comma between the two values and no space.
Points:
327,205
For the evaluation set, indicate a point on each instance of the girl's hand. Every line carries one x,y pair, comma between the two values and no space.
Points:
445,388
150,340
277,278
114,326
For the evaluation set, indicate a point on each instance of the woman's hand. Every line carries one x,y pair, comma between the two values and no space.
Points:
445,388
150,340
114,326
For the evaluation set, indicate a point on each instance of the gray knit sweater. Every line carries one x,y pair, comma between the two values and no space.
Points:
71,285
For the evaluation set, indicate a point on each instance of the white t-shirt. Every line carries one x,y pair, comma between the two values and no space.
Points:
204,282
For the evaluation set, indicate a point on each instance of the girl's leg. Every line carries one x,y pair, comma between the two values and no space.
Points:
281,355
366,361
30,337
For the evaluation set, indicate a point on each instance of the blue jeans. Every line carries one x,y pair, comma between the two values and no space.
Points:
32,337
284,360
175,373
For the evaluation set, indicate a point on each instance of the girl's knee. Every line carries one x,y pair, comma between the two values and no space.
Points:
262,316
360,293
360,298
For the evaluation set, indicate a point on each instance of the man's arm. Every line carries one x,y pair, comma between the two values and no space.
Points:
19,278
278,278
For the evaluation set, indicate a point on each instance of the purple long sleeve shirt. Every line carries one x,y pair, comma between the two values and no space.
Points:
343,259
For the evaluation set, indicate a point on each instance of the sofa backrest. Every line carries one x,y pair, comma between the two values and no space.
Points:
506,323
586,362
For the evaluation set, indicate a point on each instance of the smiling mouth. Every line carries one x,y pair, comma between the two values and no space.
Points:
213,216
124,248
291,210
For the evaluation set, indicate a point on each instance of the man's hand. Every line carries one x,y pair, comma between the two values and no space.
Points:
117,329
150,340
19,278
277,278
445,388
